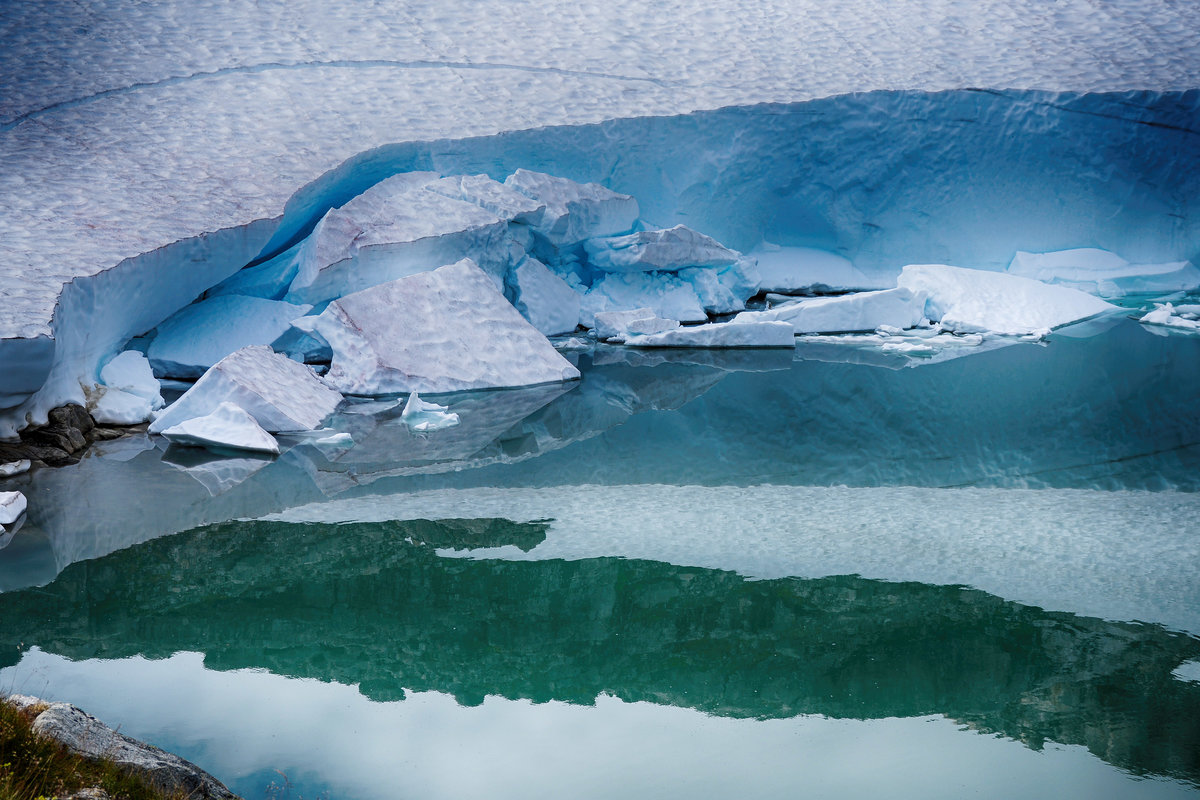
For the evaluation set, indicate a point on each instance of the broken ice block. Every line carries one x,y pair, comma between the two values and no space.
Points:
1104,273
422,416
545,299
228,426
721,334
575,211
503,201
12,506
614,326
670,249
863,311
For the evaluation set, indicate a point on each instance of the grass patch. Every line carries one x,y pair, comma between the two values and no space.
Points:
33,768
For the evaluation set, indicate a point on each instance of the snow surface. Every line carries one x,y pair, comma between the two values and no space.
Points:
12,506
116,151
422,416
227,427
203,333
280,394
977,301
670,249
1104,273
765,333
864,311
445,330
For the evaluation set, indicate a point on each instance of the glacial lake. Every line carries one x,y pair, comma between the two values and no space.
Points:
837,572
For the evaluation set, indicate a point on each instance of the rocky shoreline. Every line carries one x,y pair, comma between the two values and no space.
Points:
62,441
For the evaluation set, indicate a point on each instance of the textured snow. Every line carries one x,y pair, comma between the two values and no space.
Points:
977,301
1104,273
117,407
574,211
545,299
203,333
807,269
764,333
227,427
864,311
616,325
393,229
12,506
670,249
444,330
114,149
422,416
279,393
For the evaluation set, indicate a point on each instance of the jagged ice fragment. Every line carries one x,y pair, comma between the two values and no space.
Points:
228,427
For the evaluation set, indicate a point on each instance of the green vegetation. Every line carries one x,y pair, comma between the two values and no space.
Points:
32,767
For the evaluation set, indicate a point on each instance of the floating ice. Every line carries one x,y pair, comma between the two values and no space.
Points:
670,249
203,333
8,470
575,211
279,393
545,299
227,427
864,311
668,295
115,407
765,333
978,301
810,271
444,330
422,416
491,195
398,227
1104,273
12,506
614,326
1184,317
725,290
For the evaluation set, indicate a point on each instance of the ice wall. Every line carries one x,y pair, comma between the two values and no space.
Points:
884,178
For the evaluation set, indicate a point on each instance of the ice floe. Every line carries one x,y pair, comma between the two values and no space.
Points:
12,506
864,311
422,416
757,333
11,468
1105,273
614,326
1184,317
545,299
669,250
978,301
227,427
575,211
203,333
279,393
445,330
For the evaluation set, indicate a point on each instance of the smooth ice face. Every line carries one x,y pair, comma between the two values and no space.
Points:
445,330
897,308
723,290
203,333
543,298
227,427
422,416
279,393
668,296
269,279
765,333
393,229
574,211
12,506
1104,273
670,249
807,269
130,371
978,301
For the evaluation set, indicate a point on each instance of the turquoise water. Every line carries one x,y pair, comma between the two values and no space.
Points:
691,575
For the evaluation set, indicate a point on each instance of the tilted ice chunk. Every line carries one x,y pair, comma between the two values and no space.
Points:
115,407
575,211
130,372
807,269
279,393
445,330
670,249
545,299
668,295
422,416
765,333
978,301
617,325
12,505
724,290
1183,317
228,426
864,311
503,201
269,279
203,333
397,227
1104,273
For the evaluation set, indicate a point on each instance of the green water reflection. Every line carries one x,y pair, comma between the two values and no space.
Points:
375,604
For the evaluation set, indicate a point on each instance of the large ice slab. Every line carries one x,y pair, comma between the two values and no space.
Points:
670,249
1104,273
503,201
575,211
863,311
545,299
668,296
757,333
279,393
396,228
203,333
978,301
227,427
810,270
445,330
